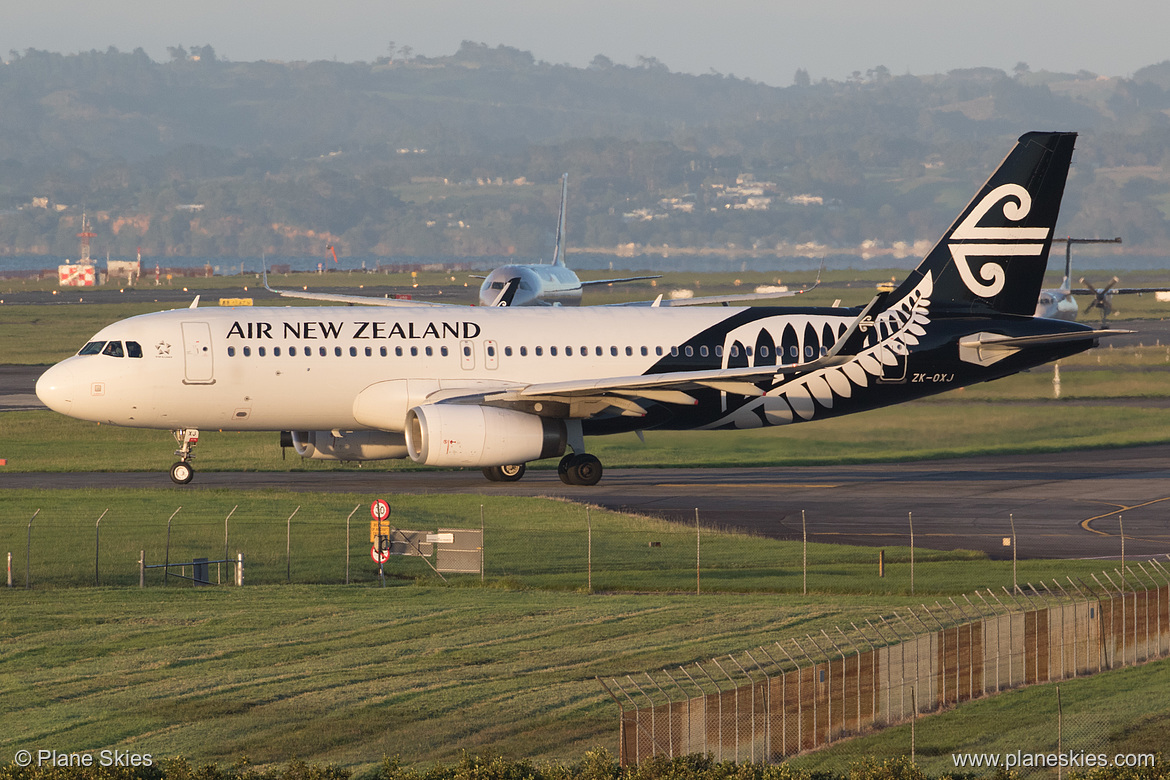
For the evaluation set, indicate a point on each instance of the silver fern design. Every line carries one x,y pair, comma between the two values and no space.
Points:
893,333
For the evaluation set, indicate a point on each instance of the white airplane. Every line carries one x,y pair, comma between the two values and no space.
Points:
537,284
497,388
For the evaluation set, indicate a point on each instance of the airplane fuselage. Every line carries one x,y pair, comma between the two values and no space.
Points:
307,368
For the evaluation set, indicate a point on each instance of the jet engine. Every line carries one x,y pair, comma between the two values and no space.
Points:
348,445
467,435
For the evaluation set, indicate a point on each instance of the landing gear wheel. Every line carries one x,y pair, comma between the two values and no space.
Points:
510,473
181,473
582,469
564,469
586,470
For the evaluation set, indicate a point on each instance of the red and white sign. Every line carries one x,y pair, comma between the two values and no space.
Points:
379,556
74,275
379,510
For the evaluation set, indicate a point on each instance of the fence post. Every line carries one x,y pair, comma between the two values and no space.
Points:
167,560
28,551
10,570
813,669
288,546
844,684
687,698
704,695
910,516
239,568
355,509
766,752
799,703
97,545
225,530
803,555
142,568
858,654
719,704
589,548
735,691
698,553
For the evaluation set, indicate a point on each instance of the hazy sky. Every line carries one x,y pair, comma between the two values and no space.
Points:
766,40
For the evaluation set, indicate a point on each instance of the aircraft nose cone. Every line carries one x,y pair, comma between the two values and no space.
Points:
56,388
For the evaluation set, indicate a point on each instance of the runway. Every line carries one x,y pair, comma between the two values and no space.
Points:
1065,505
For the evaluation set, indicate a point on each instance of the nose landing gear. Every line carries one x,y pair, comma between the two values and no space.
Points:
182,472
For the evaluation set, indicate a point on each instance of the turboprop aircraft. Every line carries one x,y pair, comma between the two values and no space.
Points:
497,388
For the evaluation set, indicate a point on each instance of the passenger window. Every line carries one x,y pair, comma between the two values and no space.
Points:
370,351
292,351
645,352
658,351
133,349
763,352
260,351
414,351
382,352
92,348
718,350
353,351
321,351
629,351
397,352
568,352
507,351
490,350
113,349
523,351
690,351
231,351
247,352
444,351
430,351
336,351
613,351
703,351
539,351
276,351
674,351
597,351
552,351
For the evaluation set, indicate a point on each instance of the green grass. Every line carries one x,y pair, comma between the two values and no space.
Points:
348,675
528,543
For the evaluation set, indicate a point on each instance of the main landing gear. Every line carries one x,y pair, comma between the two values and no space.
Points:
574,469
181,472
579,469
510,473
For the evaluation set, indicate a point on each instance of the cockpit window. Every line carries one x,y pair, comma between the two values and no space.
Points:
92,348
113,349
133,349
497,286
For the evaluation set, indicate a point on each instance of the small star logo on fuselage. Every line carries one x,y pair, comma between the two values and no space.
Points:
163,349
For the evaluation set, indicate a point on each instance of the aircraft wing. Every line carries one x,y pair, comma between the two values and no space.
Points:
585,282
721,299
1123,291
353,300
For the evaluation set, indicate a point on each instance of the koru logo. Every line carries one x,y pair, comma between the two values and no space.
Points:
991,241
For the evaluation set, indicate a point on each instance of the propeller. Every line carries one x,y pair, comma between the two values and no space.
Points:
1101,298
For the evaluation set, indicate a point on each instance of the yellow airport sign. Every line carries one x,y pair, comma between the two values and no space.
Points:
235,301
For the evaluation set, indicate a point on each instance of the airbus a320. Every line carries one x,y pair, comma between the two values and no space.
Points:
498,388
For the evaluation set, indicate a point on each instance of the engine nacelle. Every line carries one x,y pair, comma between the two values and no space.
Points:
465,435
349,445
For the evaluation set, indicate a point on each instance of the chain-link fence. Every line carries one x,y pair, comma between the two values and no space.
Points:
803,693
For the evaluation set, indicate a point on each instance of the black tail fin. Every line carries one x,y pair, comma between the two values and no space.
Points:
994,256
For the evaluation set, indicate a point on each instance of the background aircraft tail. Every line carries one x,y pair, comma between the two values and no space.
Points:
993,258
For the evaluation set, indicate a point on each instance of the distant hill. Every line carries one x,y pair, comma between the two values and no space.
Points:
460,155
